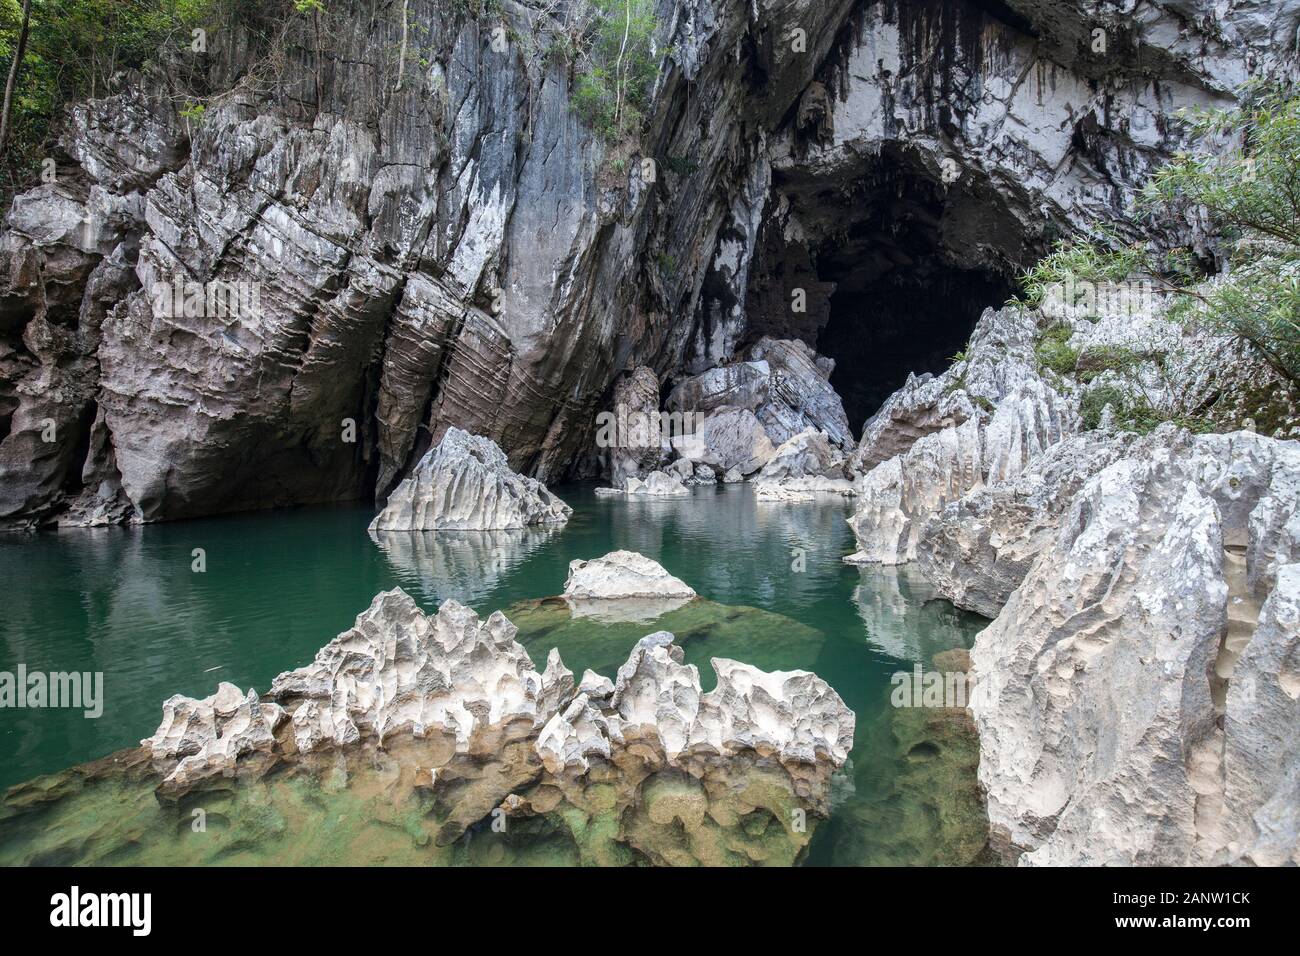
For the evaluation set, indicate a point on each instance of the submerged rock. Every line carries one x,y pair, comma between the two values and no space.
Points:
408,693
464,483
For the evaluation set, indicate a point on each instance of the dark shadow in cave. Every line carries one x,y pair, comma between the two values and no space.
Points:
884,326
897,265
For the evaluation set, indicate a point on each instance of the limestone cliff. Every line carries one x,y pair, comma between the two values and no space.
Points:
438,239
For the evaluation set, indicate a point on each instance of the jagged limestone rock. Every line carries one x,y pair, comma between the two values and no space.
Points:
977,549
1107,684
399,670
898,496
464,483
199,738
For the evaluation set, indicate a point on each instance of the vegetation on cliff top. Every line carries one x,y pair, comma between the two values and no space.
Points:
1250,193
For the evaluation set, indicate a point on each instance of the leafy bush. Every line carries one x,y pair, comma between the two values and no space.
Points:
1252,196
616,65
1055,352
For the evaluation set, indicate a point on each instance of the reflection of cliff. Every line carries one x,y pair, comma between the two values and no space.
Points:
905,616
729,520
464,565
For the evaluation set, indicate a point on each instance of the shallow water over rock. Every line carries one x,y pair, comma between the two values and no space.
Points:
774,594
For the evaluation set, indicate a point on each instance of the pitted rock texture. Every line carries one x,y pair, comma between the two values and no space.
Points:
458,249
1108,682
977,549
198,738
792,716
464,483
620,575
461,693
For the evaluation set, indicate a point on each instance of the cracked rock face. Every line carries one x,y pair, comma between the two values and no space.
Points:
1109,680
459,250
464,483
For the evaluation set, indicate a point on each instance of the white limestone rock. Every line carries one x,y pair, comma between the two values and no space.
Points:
976,550
998,360
596,687
803,489
620,575
1261,756
464,483
398,670
571,739
897,497
783,382
657,484
808,454
206,737
1130,710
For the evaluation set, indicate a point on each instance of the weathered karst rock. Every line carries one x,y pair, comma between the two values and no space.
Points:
464,483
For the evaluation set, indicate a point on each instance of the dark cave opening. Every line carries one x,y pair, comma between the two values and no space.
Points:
897,263
881,329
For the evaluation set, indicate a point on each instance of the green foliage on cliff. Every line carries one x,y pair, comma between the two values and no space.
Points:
616,63
74,47
1250,194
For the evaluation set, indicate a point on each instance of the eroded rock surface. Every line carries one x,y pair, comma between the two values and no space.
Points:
464,483
406,692
620,575
1108,682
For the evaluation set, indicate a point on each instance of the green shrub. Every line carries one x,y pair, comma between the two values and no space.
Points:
1252,199
1055,352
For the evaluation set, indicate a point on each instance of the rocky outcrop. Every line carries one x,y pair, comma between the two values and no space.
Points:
977,549
657,484
808,454
730,439
464,483
199,738
460,695
792,716
639,451
1107,683
445,242
620,575
896,498
783,382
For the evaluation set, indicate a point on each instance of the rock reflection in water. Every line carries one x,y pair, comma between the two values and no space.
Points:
465,565
906,618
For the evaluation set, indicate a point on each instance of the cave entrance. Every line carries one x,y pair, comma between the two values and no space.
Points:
899,265
888,320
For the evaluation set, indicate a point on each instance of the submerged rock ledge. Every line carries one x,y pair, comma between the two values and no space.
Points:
440,690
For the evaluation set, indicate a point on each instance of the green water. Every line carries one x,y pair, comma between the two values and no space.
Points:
279,585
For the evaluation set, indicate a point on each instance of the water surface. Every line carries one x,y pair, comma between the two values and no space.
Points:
279,585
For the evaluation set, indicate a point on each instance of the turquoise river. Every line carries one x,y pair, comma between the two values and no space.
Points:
278,585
